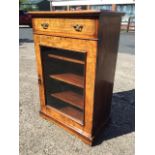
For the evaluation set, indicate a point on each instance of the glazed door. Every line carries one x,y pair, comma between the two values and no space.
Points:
64,81
66,70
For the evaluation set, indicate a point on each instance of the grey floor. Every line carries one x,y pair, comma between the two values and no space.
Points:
39,137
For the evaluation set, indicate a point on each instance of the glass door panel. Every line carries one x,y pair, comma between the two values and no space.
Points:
64,72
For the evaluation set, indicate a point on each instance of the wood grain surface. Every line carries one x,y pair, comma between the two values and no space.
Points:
98,39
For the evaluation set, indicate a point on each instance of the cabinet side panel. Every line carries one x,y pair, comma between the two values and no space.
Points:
109,29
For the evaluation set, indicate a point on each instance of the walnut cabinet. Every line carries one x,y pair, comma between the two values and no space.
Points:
76,54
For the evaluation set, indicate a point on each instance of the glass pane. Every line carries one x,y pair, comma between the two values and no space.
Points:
63,72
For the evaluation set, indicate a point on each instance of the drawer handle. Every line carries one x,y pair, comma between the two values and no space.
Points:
78,27
44,25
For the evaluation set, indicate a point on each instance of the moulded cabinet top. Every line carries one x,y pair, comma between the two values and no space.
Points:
81,13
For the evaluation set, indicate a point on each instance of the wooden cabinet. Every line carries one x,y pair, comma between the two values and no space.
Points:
76,58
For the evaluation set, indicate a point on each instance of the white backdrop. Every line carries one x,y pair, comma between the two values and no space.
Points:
90,2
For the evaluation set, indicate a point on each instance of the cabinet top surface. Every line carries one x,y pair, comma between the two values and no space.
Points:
86,13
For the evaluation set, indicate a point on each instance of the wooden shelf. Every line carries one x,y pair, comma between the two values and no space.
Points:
71,112
65,59
71,98
70,78
75,114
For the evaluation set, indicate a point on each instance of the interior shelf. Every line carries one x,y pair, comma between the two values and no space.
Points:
73,113
71,98
66,59
70,78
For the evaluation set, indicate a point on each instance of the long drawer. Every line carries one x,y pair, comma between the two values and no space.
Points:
82,28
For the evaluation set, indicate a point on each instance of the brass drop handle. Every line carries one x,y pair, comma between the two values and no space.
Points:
78,27
44,25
